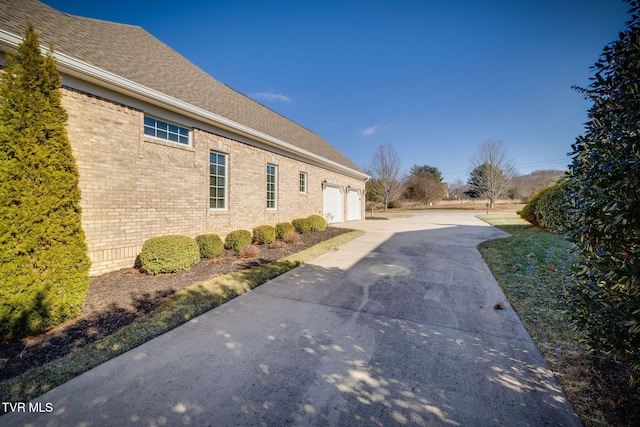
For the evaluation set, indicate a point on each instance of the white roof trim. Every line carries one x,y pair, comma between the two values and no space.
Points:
102,77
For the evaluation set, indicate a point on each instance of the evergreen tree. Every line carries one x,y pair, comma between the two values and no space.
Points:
604,189
43,255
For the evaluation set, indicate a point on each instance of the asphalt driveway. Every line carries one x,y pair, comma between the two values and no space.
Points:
395,328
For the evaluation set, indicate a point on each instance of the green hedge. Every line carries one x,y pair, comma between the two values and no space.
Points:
210,245
548,209
302,225
284,228
237,239
169,254
264,234
317,223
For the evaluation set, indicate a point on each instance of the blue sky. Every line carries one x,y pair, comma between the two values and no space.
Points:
433,78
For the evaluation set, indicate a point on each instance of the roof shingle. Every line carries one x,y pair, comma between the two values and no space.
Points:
132,53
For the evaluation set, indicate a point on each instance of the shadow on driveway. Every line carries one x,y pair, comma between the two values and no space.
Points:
404,335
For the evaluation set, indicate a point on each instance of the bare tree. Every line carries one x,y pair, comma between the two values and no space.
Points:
491,171
386,184
457,189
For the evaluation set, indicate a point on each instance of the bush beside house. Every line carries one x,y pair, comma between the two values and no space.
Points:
317,223
302,225
211,245
284,228
169,254
237,239
264,234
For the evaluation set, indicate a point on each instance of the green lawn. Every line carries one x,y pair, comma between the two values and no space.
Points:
533,267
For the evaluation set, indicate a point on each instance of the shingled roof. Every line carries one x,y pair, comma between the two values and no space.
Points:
135,55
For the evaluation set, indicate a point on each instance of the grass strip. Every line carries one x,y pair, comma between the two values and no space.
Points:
180,308
533,267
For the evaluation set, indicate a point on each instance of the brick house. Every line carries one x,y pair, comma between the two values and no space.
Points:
164,148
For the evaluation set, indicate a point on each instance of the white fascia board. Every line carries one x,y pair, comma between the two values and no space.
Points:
96,75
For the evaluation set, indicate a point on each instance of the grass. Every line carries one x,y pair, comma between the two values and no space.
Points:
533,268
185,305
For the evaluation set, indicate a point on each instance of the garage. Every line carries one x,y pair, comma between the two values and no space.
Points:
333,204
354,206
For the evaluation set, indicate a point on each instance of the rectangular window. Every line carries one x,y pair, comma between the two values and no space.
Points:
164,130
272,186
303,182
217,180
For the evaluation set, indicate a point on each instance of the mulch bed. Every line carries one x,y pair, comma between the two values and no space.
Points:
117,299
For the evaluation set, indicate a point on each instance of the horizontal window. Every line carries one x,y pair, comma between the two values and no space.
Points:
164,130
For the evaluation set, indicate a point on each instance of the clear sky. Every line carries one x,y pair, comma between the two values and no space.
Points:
433,78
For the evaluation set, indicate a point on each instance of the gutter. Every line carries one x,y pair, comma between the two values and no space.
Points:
74,67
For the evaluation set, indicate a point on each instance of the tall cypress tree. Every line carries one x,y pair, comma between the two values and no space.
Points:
43,255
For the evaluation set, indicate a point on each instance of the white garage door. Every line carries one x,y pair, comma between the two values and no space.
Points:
353,206
333,204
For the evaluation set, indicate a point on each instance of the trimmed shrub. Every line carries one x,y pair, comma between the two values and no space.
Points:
169,254
529,211
264,234
284,228
551,211
302,225
317,223
210,245
548,208
237,239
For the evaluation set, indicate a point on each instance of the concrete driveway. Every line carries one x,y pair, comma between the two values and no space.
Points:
395,328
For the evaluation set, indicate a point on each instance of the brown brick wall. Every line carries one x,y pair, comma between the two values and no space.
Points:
134,187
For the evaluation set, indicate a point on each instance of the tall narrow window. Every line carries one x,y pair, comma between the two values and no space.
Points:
217,180
272,186
303,182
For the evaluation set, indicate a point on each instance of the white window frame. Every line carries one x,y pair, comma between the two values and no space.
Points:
215,175
272,187
166,131
303,183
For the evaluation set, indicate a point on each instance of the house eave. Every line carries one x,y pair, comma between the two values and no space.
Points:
69,65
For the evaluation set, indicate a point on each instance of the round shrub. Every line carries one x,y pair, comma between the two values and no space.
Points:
168,254
548,208
529,211
237,239
210,245
264,234
317,223
551,210
302,225
284,228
